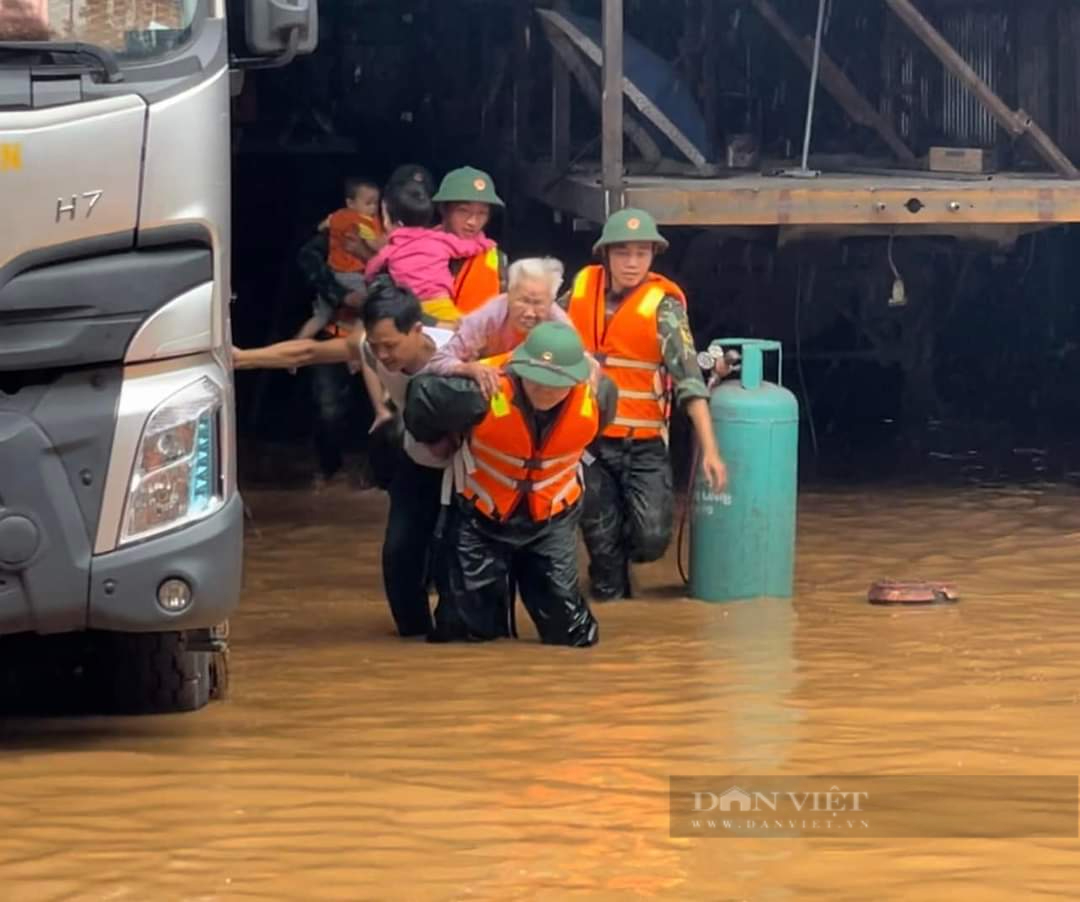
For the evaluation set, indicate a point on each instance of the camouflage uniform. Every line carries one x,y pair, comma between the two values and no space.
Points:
485,551
679,351
629,510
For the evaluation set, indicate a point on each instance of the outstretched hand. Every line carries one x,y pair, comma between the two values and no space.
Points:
284,355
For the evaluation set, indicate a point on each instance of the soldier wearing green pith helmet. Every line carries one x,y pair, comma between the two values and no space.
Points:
518,485
466,199
634,322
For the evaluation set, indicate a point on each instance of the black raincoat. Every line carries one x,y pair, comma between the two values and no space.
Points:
484,554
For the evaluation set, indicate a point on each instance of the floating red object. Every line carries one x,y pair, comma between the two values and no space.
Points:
893,591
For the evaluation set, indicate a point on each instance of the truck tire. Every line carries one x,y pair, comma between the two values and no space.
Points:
155,673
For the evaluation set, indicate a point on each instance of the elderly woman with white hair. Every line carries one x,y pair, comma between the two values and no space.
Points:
502,323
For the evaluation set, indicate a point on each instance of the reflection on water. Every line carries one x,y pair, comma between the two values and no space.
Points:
352,765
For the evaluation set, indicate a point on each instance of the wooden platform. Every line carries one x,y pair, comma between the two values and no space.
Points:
750,199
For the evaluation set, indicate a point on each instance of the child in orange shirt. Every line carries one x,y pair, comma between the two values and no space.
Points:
355,236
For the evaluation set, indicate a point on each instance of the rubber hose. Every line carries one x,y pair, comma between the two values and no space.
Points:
695,460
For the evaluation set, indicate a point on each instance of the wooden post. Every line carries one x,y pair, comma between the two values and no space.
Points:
1016,122
837,83
560,104
612,102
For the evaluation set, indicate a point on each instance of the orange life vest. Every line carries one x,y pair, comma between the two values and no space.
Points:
506,464
627,346
478,281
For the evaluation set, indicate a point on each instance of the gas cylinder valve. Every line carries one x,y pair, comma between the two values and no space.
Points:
710,360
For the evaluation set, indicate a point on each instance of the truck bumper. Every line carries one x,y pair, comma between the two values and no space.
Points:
68,443
208,556
123,584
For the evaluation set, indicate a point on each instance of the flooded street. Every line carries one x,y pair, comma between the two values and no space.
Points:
349,764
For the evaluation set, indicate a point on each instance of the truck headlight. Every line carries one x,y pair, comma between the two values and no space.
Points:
177,475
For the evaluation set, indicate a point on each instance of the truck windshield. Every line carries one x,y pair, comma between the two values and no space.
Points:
132,29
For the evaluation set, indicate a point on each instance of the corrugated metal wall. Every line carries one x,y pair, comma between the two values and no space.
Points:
928,104
908,82
982,37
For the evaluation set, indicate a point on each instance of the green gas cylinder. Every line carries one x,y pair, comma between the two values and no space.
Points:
742,541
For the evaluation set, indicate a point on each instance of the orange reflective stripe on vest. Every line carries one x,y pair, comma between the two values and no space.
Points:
477,282
627,345
507,465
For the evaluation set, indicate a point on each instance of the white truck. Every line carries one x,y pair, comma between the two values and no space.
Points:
120,521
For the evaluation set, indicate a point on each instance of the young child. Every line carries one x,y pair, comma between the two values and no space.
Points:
355,236
418,257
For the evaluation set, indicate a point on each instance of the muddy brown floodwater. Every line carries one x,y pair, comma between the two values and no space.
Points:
349,764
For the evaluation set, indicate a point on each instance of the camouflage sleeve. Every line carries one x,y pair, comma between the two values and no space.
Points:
679,351
312,263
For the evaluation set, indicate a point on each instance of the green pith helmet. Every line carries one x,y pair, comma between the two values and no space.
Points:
467,186
630,225
552,355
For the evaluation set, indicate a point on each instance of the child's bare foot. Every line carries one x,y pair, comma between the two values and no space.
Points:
382,415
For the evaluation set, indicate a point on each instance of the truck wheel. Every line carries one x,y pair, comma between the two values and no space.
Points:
155,673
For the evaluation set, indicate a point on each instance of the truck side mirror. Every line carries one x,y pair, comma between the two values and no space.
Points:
281,28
